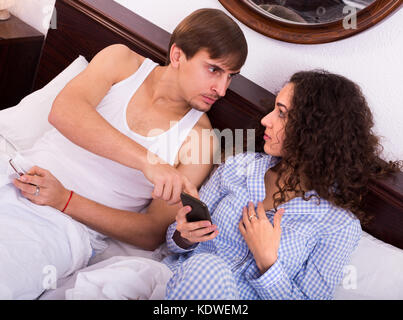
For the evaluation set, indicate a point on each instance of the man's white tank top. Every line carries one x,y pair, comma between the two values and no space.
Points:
100,179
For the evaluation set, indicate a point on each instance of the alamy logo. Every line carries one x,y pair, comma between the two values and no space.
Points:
50,277
350,277
350,21
191,151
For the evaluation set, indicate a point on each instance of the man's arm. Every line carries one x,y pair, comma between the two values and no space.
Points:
146,230
162,214
74,114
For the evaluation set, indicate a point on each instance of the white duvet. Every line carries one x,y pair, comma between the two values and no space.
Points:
122,271
38,245
121,278
41,249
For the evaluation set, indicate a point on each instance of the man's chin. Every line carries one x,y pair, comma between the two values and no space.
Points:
203,107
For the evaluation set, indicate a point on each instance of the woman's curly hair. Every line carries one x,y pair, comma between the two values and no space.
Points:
329,143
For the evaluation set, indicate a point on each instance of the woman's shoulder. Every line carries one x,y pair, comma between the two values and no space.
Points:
337,219
243,160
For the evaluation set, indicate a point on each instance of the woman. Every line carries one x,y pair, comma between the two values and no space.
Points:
286,221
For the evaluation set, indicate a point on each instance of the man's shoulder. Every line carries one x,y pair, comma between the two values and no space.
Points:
124,52
203,123
124,61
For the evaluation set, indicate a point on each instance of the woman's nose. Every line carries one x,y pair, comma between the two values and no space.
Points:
266,122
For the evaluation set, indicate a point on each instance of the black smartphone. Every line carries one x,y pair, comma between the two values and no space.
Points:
199,209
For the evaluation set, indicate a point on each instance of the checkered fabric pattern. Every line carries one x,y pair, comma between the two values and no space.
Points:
317,240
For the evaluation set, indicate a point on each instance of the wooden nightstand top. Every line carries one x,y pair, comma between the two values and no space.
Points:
15,28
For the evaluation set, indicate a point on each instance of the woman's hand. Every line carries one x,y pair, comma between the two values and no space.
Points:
168,182
193,232
51,191
262,238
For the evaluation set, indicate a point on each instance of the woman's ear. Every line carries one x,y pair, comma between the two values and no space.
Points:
175,55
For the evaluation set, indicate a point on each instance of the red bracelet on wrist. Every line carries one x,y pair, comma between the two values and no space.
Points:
68,201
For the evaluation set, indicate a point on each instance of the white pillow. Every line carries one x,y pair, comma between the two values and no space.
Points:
375,272
26,122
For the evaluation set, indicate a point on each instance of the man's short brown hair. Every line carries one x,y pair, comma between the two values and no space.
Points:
213,30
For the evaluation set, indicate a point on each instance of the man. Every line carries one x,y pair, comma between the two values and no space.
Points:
109,110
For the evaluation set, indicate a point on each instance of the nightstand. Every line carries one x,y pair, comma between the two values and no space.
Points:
20,50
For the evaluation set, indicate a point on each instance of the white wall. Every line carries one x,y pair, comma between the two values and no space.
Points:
373,59
36,13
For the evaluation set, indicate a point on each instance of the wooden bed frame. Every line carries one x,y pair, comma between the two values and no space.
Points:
84,27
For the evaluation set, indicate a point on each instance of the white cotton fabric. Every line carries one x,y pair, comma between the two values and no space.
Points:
26,122
37,245
374,272
121,278
115,248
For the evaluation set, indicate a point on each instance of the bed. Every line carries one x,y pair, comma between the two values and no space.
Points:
84,27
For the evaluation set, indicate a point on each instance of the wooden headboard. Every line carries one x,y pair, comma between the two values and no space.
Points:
84,27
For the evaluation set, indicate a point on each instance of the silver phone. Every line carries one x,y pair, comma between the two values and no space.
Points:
19,170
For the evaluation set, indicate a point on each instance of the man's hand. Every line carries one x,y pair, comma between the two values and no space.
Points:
42,188
168,182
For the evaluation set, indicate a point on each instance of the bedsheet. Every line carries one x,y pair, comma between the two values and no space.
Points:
117,269
37,243
46,249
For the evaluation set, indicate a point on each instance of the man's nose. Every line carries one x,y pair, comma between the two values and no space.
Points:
220,87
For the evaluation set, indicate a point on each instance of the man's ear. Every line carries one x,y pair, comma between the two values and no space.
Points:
175,55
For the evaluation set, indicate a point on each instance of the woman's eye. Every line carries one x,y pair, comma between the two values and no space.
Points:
281,113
